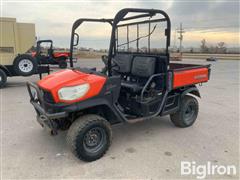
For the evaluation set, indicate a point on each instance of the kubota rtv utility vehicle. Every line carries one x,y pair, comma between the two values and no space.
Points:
50,57
137,83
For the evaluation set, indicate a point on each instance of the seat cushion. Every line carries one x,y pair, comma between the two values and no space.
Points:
143,66
132,86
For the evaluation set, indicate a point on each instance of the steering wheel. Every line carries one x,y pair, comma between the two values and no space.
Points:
114,64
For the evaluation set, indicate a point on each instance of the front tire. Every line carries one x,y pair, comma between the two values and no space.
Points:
89,137
25,65
187,114
3,79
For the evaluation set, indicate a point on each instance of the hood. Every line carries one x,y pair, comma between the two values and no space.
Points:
62,78
65,78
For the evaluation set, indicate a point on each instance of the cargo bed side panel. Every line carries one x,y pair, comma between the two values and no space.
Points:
188,77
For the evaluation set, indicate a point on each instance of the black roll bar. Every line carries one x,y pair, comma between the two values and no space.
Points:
120,17
38,48
142,22
76,24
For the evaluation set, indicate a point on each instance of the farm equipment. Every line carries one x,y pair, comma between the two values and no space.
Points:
16,40
50,57
135,85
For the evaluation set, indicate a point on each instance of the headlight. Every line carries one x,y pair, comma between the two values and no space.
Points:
73,92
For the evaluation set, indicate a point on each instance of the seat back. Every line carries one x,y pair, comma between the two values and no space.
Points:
124,63
143,66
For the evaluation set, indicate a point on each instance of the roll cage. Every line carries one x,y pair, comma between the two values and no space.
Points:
38,49
76,24
115,23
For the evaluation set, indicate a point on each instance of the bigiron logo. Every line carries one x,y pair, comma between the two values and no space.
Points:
203,170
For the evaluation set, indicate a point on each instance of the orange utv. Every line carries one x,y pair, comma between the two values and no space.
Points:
137,83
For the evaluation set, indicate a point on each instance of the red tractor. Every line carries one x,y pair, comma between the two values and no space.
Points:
49,56
135,85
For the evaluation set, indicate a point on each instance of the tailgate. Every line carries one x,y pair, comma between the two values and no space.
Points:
185,77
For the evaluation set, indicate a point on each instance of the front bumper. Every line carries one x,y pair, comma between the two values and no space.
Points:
44,118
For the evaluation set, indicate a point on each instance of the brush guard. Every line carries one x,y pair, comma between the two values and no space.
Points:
44,118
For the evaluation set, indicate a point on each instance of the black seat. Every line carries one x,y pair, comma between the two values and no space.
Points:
142,69
123,64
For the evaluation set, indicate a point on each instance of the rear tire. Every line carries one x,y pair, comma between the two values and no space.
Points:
25,65
187,114
3,79
89,137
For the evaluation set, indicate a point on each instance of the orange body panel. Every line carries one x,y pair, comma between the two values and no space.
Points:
65,78
33,54
188,77
55,54
61,54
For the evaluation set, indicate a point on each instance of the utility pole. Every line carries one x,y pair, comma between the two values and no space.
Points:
174,40
180,31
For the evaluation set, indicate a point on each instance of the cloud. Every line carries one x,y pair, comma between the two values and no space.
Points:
204,14
54,19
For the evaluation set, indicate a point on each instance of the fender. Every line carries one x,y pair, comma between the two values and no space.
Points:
191,90
99,102
93,103
5,69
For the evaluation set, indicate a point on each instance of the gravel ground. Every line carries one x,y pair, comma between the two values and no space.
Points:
150,149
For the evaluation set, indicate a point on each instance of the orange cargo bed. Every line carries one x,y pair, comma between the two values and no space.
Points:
187,74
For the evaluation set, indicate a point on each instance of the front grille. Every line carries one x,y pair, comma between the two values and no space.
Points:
47,96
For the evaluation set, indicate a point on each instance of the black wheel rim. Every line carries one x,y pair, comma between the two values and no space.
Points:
94,139
189,113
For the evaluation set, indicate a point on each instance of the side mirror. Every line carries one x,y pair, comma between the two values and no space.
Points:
75,39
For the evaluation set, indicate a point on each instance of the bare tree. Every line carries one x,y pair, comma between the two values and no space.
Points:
221,47
203,46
